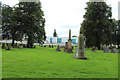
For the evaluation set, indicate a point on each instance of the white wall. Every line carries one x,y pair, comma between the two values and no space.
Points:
63,39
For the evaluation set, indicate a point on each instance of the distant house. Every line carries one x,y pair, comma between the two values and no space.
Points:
56,40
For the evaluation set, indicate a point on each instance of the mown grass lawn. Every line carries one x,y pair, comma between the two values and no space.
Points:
43,62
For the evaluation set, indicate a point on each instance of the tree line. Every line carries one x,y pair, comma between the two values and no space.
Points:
98,25
24,20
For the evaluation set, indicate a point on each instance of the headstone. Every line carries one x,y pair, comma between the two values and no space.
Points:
106,49
52,46
101,46
97,48
15,45
72,47
49,46
80,53
41,45
21,46
66,46
114,50
44,45
24,46
58,48
34,46
3,46
75,54
69,48
93,49
62,46
8,45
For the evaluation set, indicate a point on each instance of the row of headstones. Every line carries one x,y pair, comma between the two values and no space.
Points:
106,49
4,47
9,45
50,46
65,49
19,46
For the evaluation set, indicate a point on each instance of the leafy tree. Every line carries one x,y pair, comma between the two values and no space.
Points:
97,24
32,22
74,36
118,34
6,22
54,34
0,21
10,27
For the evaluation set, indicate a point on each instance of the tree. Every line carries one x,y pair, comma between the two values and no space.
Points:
32,22
96,25
10,28
0,21
6,22
74,36
55,34
118,34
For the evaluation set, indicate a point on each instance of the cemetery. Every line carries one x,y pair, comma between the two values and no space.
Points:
45,62
59,61
27,52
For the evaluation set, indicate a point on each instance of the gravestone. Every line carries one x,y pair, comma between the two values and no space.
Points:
58,48
24,46
106,49
41,45
15,46
101,46
8,45
34,46
114,50
80,52
49,46
44,45
62,46
69,47
21,46
72,47
76,55
66,46
3,46
52,46
93,49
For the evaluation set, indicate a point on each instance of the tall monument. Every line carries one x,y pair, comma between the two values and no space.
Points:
69,47
80,52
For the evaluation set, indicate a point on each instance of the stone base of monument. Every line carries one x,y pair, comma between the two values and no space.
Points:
69,51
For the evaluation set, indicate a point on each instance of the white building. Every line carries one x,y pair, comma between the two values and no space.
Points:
56,40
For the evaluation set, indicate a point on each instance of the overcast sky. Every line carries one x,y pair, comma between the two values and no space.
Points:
63,15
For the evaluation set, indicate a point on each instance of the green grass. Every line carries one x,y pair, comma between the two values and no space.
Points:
47,63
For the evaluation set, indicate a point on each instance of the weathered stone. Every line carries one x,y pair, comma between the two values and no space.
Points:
3,46
93,49
80,52
114,50
44,45
76,55
58,48
8,45
106,49
69,47
66,46
52,46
